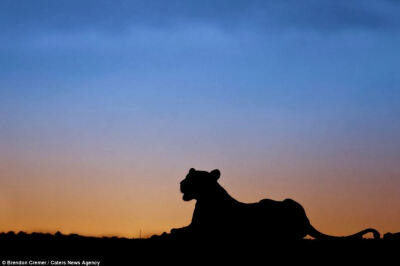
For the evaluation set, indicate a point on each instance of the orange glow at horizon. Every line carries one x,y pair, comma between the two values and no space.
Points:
125,199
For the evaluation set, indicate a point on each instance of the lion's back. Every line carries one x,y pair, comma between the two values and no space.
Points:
273,219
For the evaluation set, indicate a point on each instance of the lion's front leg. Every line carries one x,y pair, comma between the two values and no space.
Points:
182,232
175,233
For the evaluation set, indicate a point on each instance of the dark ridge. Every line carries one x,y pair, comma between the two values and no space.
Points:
58,234
110,250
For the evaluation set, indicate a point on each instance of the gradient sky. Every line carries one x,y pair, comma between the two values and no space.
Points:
105,105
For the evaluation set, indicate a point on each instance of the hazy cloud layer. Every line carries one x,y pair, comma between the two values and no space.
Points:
25,16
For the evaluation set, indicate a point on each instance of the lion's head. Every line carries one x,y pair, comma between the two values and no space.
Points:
198,182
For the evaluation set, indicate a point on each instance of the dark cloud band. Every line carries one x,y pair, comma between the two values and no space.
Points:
21,16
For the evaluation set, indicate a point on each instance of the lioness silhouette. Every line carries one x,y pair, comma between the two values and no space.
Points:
217,214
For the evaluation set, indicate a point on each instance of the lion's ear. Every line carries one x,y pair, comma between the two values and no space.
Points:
192,170
215,174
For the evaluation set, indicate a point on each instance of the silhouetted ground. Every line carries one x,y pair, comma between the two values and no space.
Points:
59,249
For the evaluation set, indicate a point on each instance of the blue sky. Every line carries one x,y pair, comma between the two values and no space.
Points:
186,60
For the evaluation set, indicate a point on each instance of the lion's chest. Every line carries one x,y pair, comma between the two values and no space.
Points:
222,214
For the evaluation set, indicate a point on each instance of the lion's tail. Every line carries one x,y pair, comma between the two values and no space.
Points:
318,235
